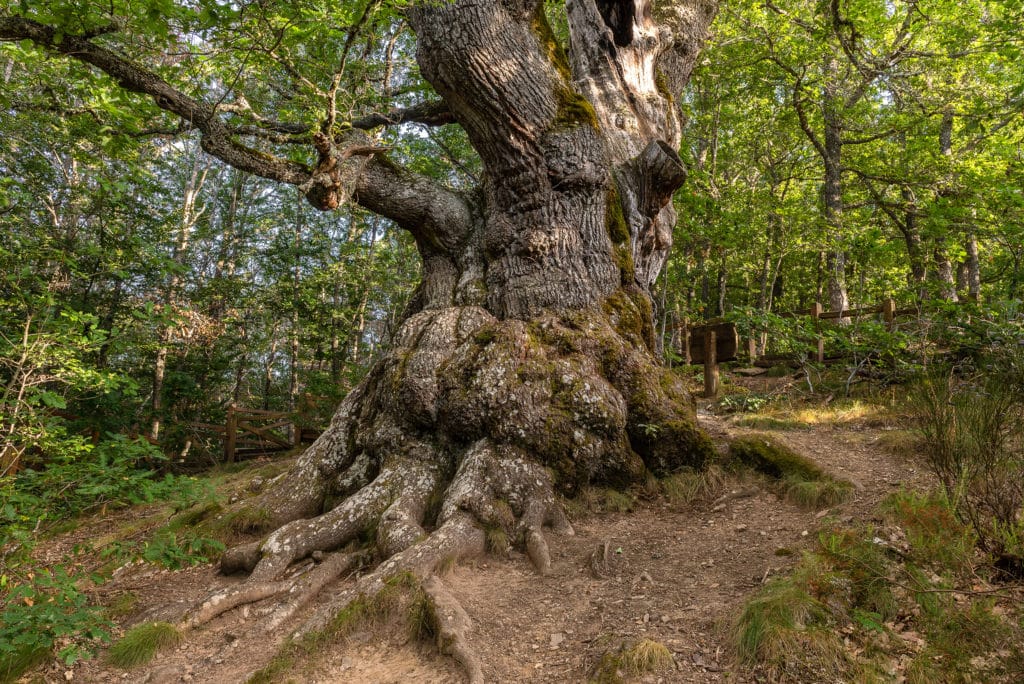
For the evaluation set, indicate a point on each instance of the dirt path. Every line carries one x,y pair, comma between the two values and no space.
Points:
677,575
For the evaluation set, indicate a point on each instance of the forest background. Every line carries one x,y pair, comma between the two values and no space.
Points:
838,152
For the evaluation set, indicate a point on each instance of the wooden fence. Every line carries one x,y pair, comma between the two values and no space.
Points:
717,341
248,432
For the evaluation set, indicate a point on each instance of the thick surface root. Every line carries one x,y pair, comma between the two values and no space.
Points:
312,581
452,624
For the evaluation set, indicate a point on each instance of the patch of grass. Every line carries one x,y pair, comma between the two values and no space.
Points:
815,494
902,443
844,412
141,643
800,480
497,541
689,485
762,422
865,571
122,605
790,632
13,665
646,656
841,613
634,660
935,535
837,413
604,500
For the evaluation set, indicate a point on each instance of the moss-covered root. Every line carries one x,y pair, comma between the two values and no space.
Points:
141,643
800,480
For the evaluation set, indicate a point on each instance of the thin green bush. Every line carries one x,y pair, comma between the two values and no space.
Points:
973,431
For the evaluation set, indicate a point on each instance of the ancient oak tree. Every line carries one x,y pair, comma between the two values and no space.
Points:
524,368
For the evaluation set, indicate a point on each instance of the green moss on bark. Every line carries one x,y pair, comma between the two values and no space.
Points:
574,110
541,28
615,219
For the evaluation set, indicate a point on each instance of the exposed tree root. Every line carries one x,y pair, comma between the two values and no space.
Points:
452,623
332,567
461,433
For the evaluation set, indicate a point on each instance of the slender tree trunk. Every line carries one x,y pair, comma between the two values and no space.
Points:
973,267
293,329
835,261
944,273
190,213
721,286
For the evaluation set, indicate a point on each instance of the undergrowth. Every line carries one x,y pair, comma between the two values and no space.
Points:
972,428
905,600
43,608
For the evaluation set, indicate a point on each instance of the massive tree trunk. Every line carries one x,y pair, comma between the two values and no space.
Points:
524,366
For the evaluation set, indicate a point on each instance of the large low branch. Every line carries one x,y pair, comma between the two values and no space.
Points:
434,214
430,113
216,137
416,203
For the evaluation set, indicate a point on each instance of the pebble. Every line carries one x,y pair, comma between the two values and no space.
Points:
556,639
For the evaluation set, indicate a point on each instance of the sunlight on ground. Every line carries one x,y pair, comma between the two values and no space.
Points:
843,412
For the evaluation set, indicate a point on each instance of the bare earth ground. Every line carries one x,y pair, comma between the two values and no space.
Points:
678,575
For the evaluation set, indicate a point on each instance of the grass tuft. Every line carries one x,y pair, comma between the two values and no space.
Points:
687,486
141,643
13,665
635,660
497,541
790,632
814,494
646,656
122,605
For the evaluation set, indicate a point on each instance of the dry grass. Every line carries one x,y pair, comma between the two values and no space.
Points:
689,486
838,413
646,656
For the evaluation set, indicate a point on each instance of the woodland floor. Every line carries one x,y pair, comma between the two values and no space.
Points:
679,575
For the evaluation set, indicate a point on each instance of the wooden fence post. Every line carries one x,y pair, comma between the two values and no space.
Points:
710,364
816,312
888,312
686,341
230,433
